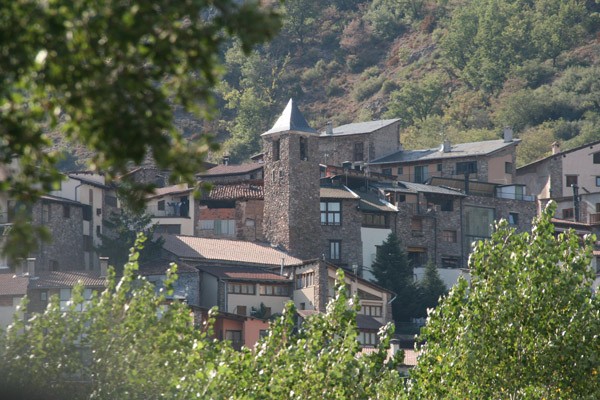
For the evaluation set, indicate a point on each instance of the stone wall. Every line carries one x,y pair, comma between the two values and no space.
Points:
336,149
249,220
291,208
348,232
65,251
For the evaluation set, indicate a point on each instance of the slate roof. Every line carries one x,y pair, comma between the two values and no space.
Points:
338,192
367,322
66,279
459,150
244,273
249,190
158,266
56,199
89,182
360,127
410,187
224,170
13,285
190,247
291,119
174,189
372,202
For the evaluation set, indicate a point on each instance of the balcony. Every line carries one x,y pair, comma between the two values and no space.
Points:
594,218
168,211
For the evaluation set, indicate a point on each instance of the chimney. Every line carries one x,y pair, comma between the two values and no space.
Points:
394,347
225,160
103,267
329,128
555,148
508,134
446,148
30,267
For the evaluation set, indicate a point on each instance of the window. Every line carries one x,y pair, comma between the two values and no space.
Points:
87,243
513,218
598,207
276,150
373,311
46,213
400,171
400,198
447,205
598,181
98,211
98,230
417,256
478,222
235,337
421,173
508,167
240,310
241,288
274,290
416,226
596,158
358,151
303,152
373,219
161,205
571,180
450,262
110,200
87,212
66,211
44,295
449,236
386,171
367,338
53,265
335,247
263,333
305,280
331,213
568,213
467,167
225,227
439,168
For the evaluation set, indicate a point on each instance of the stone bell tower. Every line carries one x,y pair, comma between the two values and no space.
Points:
291,175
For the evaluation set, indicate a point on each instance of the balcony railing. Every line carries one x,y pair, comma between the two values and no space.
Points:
167,212
594,218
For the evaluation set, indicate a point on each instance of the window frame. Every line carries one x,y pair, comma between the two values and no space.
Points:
335,250
328,216
571,178
463,167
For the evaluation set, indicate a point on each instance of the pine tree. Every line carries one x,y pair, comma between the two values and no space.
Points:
431,288
393,271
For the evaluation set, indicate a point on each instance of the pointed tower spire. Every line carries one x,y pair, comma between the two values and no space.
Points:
291,119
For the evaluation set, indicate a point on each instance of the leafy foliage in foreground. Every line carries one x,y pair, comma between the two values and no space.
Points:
527,327
126,344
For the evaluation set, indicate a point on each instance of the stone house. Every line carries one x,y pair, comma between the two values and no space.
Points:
13,287
358,143
487,161
186,288
571,178
232,210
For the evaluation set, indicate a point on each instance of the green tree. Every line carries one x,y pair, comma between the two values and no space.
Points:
431,288
393,271
525,327
107,74
122,230
127,343
415,101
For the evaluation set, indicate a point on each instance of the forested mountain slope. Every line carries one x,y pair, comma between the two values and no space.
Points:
456,69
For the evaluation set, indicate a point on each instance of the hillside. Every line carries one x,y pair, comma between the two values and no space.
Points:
457,69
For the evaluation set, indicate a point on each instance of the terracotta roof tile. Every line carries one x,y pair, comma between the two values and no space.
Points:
244,273
190,247
410,357
66,279
13,285
253,190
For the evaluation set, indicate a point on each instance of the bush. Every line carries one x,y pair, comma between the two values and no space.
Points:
368,88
